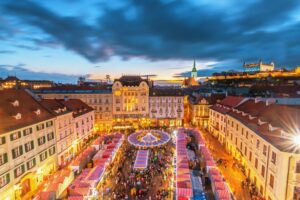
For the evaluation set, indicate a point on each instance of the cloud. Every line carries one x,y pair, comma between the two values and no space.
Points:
162,30
6,52
23,73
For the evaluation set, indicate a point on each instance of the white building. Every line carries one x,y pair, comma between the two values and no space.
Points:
261,136
27,143
166,106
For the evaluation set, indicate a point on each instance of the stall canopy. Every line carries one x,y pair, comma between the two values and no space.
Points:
141,160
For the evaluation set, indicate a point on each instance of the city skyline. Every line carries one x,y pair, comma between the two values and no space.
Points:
61,40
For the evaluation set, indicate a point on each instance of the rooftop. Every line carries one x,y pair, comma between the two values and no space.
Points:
275,123
129,80
166,92
77,106
19,109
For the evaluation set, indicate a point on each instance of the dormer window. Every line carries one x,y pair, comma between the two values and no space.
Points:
18,116
251,117
15,103
37,112
260,122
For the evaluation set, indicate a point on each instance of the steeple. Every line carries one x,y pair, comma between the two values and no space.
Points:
194,71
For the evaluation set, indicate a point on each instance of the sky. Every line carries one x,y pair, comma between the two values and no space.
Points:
61,40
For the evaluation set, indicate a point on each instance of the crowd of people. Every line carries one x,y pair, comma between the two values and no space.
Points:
125,182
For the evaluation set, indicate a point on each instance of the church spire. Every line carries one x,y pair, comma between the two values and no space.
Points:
194,73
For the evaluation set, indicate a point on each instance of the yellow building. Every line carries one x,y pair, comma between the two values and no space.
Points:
131,101
264,137
199,108
27,144
13,82
97,97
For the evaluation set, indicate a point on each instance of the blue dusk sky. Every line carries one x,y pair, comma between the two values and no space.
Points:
61,40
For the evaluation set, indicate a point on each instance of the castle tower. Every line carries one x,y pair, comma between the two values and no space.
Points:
194,71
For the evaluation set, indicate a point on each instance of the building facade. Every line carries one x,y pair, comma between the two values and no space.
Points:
13,82
64,129
166,107
198,108
84,122
131,101
260,135
217,116
98,97
27,144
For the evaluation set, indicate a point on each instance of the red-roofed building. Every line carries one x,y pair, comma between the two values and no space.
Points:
84,120
27,143
261,135
217,115
64,129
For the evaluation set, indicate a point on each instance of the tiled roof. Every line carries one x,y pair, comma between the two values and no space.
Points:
54,106
275,120
77,106
232,101
30,110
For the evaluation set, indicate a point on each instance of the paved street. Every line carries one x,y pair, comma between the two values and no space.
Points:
232,175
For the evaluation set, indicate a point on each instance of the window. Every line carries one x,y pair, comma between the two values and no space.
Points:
4,180
15,135
2,140
246,134
16,152
257,143
250,156
19,171
27,131
246,150
237,127
256,163
265,150
242,131
43,156
117,108
41,140
40,127
49,124
298,167
273,158
50,136
3,159
52,151
263,171
29,146
30,164
271,181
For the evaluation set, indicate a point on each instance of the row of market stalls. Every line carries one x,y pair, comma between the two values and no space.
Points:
141,160
183,181
219,186
85,185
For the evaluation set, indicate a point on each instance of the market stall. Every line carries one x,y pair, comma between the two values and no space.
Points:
141,161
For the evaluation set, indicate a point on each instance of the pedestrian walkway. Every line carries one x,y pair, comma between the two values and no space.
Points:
232,175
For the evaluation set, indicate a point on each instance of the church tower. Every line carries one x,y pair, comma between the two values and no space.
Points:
194,71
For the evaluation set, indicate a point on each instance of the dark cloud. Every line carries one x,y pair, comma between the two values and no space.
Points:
161,30
21,72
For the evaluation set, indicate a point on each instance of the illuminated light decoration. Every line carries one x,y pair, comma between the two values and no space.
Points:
296,139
